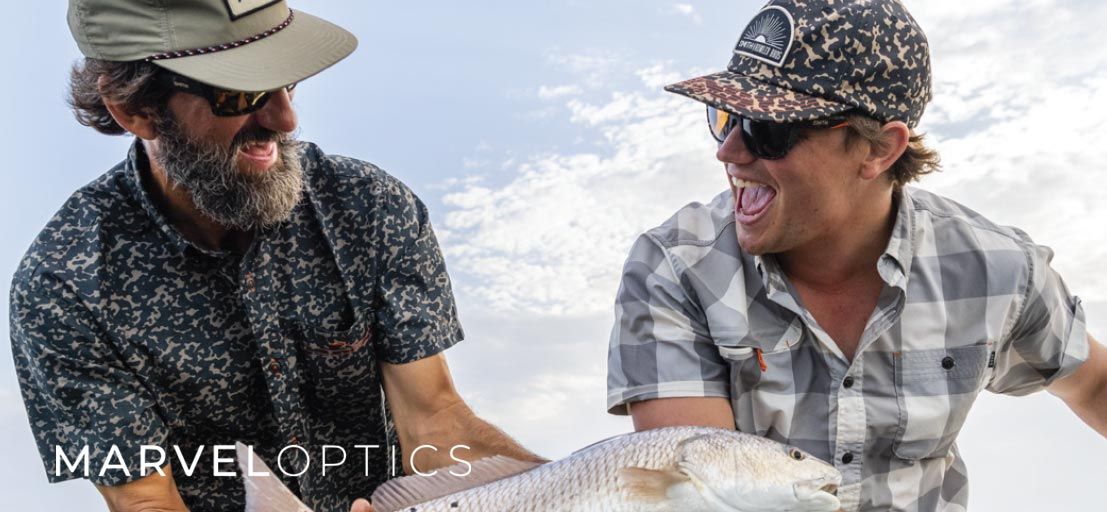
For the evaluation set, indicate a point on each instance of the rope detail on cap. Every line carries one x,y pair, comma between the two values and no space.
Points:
225,46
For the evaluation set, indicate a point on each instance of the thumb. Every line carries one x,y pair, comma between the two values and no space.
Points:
361,505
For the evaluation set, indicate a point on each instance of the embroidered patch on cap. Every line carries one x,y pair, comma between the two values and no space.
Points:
240,8
768,37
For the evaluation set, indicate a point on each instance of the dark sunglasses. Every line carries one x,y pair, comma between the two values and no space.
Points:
768,140
224,102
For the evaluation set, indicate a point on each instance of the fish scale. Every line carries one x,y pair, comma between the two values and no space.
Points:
587,480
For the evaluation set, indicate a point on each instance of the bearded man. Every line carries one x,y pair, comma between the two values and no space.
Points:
226,282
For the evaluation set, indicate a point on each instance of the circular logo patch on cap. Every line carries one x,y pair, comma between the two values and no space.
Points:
768,37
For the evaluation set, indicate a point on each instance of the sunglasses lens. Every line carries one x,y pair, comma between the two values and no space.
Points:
237,103
764,139
720,123
767,139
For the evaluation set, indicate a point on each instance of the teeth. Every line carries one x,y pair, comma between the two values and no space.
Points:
256,146
743,183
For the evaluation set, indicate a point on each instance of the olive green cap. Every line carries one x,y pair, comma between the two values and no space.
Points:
245,45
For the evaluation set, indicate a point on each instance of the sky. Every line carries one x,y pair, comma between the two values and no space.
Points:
540,138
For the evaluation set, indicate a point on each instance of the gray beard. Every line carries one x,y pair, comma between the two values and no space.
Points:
219,190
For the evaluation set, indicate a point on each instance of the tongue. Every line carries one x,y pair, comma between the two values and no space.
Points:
756,199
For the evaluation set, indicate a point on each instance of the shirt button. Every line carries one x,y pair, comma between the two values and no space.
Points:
275,367
847,458
294,440
948,363
250,281
848,383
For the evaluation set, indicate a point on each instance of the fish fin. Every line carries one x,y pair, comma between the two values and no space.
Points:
265,493
650,485
406,491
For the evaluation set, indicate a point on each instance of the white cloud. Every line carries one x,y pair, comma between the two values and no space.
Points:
687,10
589,69
659,75
553,239
548,92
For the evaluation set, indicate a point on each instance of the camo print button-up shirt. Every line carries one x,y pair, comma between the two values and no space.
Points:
126,334
967,306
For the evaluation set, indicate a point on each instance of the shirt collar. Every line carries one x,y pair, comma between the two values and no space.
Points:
137,169
894,264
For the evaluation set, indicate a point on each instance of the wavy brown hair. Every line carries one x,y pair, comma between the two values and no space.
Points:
131,84
917,161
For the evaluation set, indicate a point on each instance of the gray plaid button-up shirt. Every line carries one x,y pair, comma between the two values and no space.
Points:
967,305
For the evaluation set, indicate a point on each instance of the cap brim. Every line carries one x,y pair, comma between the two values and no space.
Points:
755,99
305,47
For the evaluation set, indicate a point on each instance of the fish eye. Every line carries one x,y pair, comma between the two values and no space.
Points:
796,454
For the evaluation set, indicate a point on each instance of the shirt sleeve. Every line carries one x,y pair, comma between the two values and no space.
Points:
660,346
1048,340
416,315
82,398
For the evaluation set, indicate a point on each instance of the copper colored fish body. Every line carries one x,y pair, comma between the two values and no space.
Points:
687,469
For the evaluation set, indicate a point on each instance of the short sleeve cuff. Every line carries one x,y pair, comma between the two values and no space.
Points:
403,351
1075,351
619,398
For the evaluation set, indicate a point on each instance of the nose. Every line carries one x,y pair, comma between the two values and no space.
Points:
277,114
734,151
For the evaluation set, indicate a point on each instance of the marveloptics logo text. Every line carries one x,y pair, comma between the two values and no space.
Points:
153,458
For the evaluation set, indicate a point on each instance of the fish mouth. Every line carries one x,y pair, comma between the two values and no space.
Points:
819,493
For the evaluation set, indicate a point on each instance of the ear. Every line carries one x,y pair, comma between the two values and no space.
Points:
893,142
139,123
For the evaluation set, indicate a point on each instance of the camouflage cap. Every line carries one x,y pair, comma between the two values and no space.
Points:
245,45
801,60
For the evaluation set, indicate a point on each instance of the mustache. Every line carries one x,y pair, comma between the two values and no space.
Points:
258,134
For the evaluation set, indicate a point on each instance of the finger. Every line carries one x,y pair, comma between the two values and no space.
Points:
361,505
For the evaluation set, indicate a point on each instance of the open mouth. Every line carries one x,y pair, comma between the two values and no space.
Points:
819,492
259,154
752,200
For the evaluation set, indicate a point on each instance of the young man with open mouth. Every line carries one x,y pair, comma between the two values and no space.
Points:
822,302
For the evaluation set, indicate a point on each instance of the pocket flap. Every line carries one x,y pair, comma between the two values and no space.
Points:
954,363
736,353
327,342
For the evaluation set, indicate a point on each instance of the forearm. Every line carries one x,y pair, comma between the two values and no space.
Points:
146,507
1085,391
456,426
153,493
669,412
1092,408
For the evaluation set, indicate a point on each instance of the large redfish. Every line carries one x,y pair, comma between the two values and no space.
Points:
686,469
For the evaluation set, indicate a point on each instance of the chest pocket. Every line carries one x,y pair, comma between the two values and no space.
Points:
761,366
935,390
337,368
